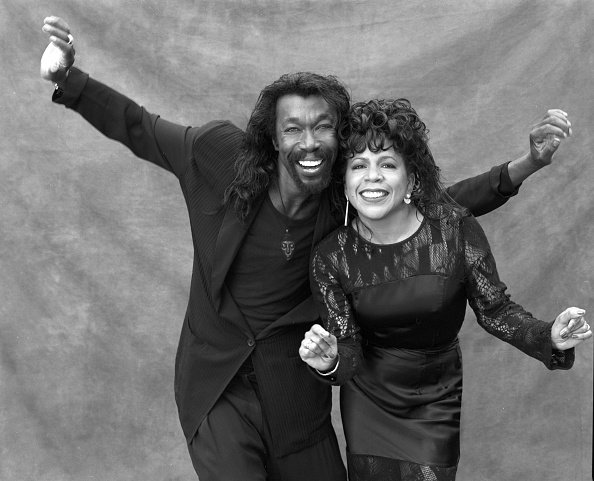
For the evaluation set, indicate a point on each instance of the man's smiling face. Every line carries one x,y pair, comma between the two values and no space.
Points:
306,141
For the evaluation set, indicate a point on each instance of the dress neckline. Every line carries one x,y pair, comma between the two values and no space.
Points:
391,244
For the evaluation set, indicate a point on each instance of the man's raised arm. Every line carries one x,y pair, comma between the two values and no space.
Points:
116,116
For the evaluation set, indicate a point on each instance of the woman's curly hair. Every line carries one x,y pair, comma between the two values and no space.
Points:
257,161
370,124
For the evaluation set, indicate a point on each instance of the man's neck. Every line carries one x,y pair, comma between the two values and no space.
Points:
292,202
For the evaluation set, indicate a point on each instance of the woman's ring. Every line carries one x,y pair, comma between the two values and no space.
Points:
70,39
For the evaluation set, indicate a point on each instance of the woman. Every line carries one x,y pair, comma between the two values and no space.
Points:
392,285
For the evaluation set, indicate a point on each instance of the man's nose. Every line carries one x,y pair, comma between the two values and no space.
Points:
309,142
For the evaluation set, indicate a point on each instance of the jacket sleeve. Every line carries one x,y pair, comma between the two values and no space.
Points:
149,137
337,315
495,311
485,192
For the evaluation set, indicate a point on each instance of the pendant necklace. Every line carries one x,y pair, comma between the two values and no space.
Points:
287,243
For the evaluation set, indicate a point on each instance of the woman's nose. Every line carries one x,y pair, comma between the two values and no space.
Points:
374,173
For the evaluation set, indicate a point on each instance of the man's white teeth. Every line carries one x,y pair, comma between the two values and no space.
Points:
310,164
368,194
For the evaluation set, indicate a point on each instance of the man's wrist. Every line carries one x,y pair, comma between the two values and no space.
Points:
60,86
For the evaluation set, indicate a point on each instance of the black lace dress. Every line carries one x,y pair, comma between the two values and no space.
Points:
397,310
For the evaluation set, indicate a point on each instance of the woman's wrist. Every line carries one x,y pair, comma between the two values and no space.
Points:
331,369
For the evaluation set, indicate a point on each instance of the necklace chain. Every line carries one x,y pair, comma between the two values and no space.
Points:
287,243
282,201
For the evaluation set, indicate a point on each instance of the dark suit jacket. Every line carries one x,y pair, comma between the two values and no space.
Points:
215,338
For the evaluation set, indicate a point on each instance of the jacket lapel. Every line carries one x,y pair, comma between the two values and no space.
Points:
229,240
325,223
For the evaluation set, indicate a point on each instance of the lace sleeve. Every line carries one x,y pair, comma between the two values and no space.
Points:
494,310
336,312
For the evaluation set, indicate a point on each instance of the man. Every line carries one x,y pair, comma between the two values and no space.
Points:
258,201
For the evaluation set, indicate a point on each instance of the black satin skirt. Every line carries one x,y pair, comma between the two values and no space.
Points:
405,405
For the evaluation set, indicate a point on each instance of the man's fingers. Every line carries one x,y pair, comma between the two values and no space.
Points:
61,39
557,111
56,22
58,31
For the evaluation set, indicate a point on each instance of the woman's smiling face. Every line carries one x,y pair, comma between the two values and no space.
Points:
376,183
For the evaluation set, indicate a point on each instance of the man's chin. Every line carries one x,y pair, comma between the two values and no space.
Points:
315,185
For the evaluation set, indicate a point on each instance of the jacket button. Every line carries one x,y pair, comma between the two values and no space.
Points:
251,342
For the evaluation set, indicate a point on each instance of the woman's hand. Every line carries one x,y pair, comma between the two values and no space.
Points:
319,349
546,136
570,329
59,54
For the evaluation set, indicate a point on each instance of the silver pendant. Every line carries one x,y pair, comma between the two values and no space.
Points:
287,245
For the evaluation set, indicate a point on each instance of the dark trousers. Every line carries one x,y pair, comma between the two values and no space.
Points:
232,443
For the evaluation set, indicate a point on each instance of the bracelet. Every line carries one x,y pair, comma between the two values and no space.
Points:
329,373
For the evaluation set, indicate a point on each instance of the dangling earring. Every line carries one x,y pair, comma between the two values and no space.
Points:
416,187
346,212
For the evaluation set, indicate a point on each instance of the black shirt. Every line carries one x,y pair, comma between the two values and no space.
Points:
263,282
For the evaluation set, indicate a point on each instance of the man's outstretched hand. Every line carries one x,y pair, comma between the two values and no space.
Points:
59,54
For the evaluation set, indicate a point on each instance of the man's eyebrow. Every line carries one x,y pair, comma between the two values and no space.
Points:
324,116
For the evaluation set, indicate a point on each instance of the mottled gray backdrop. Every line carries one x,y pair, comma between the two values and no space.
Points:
95,248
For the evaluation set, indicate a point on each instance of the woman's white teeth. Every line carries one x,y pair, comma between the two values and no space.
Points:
373,194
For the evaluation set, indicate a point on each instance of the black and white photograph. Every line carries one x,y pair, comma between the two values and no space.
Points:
272,240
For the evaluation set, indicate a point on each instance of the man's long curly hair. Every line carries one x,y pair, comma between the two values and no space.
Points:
371,124
256,163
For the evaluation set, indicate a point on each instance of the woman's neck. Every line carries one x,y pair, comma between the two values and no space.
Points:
400,225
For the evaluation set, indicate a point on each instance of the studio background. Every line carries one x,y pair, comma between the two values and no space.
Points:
95,249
